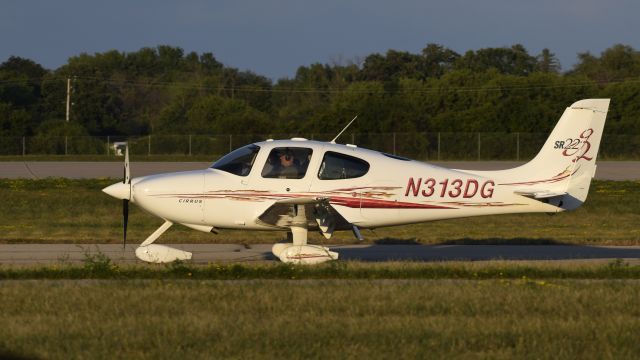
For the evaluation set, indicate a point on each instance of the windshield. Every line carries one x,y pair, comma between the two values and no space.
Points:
239,161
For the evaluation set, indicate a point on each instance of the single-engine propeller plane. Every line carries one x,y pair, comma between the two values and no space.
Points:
299,185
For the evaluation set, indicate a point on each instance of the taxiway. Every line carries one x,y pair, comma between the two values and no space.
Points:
32,254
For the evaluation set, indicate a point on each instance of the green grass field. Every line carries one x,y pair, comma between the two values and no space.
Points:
100,310
59,210
313,319
99,266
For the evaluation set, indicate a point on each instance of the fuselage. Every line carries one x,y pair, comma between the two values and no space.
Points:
367,188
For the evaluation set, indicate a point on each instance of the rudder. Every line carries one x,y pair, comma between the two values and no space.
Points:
562,171
571,151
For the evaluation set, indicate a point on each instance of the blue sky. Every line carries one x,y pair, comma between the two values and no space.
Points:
274,37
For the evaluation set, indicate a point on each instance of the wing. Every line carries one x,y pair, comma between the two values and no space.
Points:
318,212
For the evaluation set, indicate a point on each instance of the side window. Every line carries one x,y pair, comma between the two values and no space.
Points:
287,163
238,162
340,166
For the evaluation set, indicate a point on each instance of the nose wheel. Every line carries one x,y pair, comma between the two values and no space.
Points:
154,253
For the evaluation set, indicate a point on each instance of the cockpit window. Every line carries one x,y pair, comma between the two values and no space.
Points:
239,161
287,163
340,166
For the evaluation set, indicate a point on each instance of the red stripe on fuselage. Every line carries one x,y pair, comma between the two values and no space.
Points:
352,202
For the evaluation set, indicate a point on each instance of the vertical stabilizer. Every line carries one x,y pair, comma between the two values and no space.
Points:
567,161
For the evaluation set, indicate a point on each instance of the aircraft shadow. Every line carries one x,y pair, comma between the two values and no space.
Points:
477,250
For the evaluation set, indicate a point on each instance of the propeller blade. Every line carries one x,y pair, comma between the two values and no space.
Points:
127,173
125,221
125,202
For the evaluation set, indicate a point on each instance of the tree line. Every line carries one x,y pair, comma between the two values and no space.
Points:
162,90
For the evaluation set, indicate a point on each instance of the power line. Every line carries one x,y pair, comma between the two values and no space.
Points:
350,90
252,89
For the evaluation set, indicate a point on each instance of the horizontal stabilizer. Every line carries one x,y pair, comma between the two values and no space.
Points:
540,194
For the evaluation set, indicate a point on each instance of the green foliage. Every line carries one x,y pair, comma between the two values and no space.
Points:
162,90
218,115
13,122
624,111
618,62
20,82
98,265
513,61
60,137
547,62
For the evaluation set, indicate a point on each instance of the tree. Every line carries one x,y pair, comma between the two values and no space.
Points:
547,62
436,60
29,68
390,67
217,115
514,60
20,82
616,63
13,122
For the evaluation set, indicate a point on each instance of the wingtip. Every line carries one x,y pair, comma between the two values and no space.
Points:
601,105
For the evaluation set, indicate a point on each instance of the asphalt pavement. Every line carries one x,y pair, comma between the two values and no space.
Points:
31,254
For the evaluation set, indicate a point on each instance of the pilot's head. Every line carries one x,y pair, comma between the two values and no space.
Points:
286,157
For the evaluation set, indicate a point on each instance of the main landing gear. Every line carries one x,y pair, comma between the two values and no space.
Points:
298,251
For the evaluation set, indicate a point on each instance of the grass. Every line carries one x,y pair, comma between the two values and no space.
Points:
495,309
379,319
76,211
99,266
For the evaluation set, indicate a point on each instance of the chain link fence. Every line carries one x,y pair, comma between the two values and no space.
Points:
420,146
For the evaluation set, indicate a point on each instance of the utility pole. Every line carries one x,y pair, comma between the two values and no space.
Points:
68,97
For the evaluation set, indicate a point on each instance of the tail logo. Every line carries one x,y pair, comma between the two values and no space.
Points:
576,147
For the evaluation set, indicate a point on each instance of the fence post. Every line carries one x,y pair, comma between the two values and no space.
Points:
478,146
108,145
394,143
65,145
149,147
189,145
24,143
517,146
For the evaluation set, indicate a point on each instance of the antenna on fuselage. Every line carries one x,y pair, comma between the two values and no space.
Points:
345,128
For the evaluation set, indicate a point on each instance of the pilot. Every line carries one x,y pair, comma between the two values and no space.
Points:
288,168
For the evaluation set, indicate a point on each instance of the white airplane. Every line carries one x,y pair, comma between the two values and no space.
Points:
299,185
